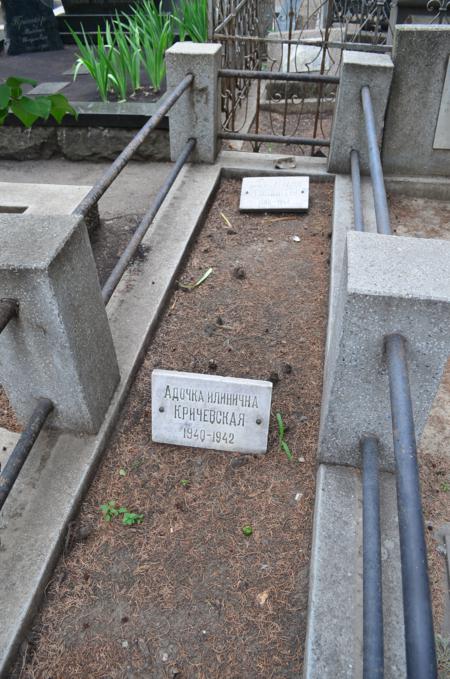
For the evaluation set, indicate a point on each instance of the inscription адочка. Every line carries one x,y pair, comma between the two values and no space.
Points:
206,411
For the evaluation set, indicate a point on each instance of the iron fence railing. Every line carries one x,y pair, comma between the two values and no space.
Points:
257,137
9,308
126,155
290,36
417,611
130,250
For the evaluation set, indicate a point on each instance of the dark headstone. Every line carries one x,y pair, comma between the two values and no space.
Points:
97,6
31,26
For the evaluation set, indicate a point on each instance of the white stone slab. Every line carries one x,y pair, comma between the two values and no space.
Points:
274,194
43,199
48,88
207,411
442,135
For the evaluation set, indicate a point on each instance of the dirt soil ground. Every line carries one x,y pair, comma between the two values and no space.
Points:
186,594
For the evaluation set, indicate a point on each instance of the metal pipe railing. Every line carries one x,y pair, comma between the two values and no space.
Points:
331,44
284,77
133,244
357,196
418,617
376,170
373,645
9,308
274,138
121,161
23,447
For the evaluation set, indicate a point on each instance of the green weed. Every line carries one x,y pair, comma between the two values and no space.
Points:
281,433
191,19
28,109
138,41
111,511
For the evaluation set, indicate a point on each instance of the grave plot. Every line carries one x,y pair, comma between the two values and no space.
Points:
210,577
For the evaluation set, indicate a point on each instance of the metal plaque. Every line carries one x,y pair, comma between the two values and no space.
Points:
274,194
207,411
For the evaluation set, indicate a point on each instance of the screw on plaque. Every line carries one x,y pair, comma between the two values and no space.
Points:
259,421
161,409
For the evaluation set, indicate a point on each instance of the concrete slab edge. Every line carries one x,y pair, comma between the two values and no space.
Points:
239,164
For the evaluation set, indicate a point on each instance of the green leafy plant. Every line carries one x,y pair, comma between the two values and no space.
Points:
191,19
281,434
247,531
130,518
28,109
185,483
156,31
110,511
138,41
445,486
95,58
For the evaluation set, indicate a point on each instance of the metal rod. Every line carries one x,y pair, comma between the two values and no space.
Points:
143,227
354,46
232,14
373,646
356,184
23,447
376,170
117,166
274,138
419,635
269,75
9,308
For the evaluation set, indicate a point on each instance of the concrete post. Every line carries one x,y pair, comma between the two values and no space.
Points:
348,131
417,131
388,284
196,114
60,345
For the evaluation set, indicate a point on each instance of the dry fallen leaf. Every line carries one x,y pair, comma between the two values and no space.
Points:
262,597
226,220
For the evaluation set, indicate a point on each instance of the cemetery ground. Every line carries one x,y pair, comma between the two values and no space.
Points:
186,593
